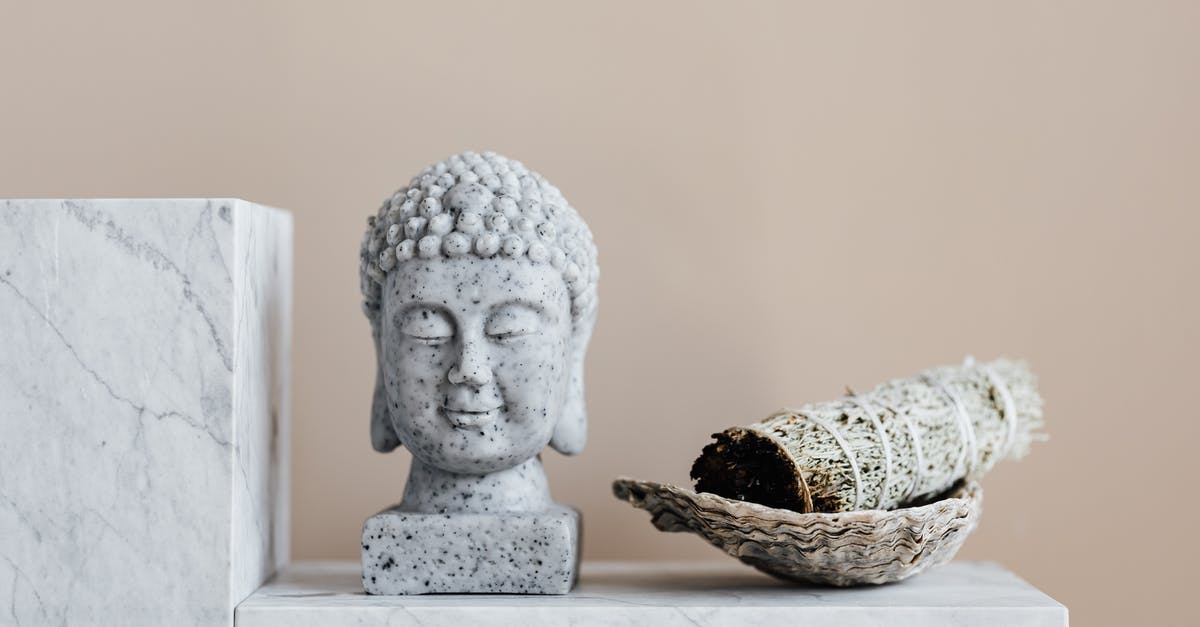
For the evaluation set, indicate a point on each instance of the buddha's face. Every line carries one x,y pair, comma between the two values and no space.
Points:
475,358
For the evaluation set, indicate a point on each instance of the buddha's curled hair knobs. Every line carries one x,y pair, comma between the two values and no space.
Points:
480,204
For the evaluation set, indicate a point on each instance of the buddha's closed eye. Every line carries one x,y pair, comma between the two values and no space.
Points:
426,325
513,321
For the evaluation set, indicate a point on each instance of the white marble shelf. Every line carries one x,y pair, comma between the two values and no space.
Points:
662,594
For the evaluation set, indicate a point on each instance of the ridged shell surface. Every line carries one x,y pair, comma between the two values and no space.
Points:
840,549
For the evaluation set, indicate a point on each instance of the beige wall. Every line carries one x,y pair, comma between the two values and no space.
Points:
787,198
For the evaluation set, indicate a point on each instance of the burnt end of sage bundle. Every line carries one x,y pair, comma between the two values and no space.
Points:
745,465
904,442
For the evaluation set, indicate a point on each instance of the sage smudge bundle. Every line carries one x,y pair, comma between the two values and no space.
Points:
905,442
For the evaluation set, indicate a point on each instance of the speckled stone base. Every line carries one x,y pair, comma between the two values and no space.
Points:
509,553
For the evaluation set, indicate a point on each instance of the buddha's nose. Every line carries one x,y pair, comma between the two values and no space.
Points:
472,367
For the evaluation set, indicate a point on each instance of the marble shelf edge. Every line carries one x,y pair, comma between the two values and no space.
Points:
707,594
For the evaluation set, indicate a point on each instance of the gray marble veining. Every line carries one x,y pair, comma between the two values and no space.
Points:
479,281
143,411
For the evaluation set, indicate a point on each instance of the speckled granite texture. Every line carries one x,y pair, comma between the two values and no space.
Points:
512,552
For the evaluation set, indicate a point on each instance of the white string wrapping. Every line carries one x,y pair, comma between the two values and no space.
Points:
1008,410
915,436
884,443
969,455
850,457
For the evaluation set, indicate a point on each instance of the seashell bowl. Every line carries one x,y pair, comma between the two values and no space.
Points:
839,549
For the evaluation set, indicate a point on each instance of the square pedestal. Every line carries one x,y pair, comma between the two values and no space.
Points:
144,350
514,553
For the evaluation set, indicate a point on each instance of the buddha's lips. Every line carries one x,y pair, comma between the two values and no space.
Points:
470,419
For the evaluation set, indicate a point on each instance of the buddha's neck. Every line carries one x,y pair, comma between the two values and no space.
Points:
432,490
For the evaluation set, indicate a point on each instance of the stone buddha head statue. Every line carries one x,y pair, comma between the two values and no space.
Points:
479,281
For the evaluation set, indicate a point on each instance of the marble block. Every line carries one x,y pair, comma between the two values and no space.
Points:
683,594
143,408
508,552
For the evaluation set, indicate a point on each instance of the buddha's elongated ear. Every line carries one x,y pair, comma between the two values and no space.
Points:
570,434
383,436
